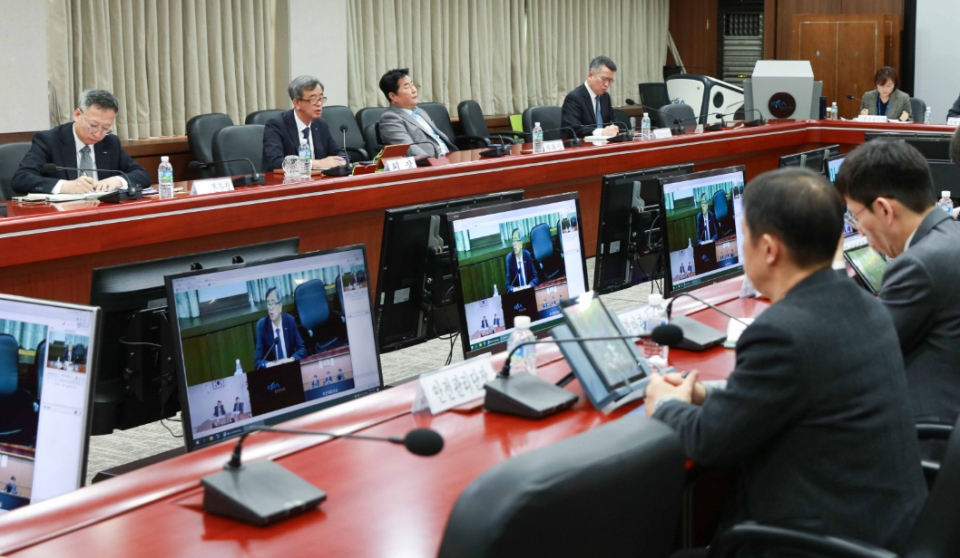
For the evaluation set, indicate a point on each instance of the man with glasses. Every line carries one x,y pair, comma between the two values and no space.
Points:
284,134
891,199
85,143
404,122
588,107
521,273
277,336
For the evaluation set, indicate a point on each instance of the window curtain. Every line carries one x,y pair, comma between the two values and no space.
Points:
525,226
165,60
286,284
28,335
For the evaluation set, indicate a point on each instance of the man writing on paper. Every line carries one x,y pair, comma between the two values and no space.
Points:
588,107
277,334
404,122
284,134
85,143
815,411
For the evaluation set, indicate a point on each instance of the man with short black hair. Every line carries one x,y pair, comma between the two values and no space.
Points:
404,122
278,337
890,195
284,134
814,412
588,107
85,143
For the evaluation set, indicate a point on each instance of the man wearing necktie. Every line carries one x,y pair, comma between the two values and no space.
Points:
588,107
521,272
405,123
85,143
706,222
277,334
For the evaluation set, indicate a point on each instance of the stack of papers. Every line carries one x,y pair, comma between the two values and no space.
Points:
60,197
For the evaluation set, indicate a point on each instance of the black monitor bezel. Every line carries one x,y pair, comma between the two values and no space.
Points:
832,150
178,345
492,209
828,160
668,288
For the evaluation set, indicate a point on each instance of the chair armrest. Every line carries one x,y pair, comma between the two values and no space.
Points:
511,134
471,142
357,154
758,535
934,431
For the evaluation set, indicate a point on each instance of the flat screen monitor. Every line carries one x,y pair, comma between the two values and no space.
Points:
628,242
135,383
261,343
833,165
869,266
703,237
935,147
416,298
946,177
48,362
516,259
812,159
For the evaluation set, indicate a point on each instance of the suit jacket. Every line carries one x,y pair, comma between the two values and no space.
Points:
513,273
58,146
919,290
711,226
899,102
397,128
580,113
219,411
815,415
267,352
281,138
955,109
238,407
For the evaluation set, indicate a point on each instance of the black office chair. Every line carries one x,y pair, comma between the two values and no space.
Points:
238,142
18,409
366,118
473,124
548,259
615,490
336,116
200,132
262,116
10,156
441,119
933,441
935,533
322,328
622,120
721,210
677,116
654,95
39,364
918,107
550,118
371,137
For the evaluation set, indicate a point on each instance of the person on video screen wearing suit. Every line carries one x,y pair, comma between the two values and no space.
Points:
277,335
706,223
521,272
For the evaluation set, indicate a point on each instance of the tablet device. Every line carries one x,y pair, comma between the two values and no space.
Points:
869,266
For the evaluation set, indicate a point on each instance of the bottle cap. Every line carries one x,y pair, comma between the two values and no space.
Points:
945,194
164,159
645,114
535,124
521,322
655,299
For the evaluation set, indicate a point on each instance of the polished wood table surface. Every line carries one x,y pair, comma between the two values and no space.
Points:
382,500
49,250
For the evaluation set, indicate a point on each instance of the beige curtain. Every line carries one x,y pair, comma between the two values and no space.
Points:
504,54
165,60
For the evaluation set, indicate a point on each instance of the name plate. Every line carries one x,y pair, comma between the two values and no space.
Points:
453,385
953,121
552,146
211,186
871,118
399,163
632,319
662,133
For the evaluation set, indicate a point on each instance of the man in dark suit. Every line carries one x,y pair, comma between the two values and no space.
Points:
277,334
520,269
484,324
85,143
218,410
404,123
588,106
706,222
238,406
814,412
284,134
890,194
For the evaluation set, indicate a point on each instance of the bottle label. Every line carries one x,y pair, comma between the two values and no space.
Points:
166,175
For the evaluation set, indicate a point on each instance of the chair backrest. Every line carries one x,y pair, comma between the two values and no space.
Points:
262,116
720,208
654,94
471,119
338,115
918,107
441,118
671,114
366,118
10,156
616,490
937,530
620,116
9,363
339,283
312,305
550,118
371,136
541,242
39,361
200,132
516,122
369,115
238,142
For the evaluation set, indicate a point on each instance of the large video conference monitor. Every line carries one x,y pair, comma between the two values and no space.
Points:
935,147
415,260
261,343
812,159
133,298
517,259
629,241
48,361
703,237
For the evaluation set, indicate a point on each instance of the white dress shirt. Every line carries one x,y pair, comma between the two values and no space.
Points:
300,128
593,102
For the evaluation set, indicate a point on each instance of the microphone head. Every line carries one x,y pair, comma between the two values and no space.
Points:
49,168
343,128
194,165
849,96
630,101
667,334
423,441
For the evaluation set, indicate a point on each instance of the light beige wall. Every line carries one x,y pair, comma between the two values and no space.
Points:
316,44
23,66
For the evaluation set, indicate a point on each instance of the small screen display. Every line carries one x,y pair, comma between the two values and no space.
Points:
869,265
613,359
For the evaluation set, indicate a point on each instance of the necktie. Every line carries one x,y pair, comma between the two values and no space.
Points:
523,279
86,162
599,117
306,139
706,228
280,353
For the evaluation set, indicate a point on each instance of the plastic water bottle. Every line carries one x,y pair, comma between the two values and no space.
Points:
525,359
239,369
945,203
646,132
306,160
928,116
165,174
834,112
654,317
537,138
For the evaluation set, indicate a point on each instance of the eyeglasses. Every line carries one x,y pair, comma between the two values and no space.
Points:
606,81
851,218
95,129
315,100
273,303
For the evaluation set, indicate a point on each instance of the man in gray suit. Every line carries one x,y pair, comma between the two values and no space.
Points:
405,123
889,192
814,412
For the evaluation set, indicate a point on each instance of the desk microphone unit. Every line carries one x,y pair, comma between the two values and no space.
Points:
252,179
698,337
132,192
345,169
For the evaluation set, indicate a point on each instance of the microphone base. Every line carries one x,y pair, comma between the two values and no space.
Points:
697,337
752,123
342,170
620,138
249,180
131,193
495,152
261,493
713,128
527,396
572,143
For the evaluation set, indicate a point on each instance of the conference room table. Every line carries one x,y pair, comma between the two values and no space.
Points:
382,501
49,250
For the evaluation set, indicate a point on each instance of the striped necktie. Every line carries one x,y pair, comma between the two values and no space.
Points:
86,161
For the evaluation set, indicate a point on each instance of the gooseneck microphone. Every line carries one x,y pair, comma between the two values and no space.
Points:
133,191
678,122
345,169
251,179
50,168
574,139
852,98
705,303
